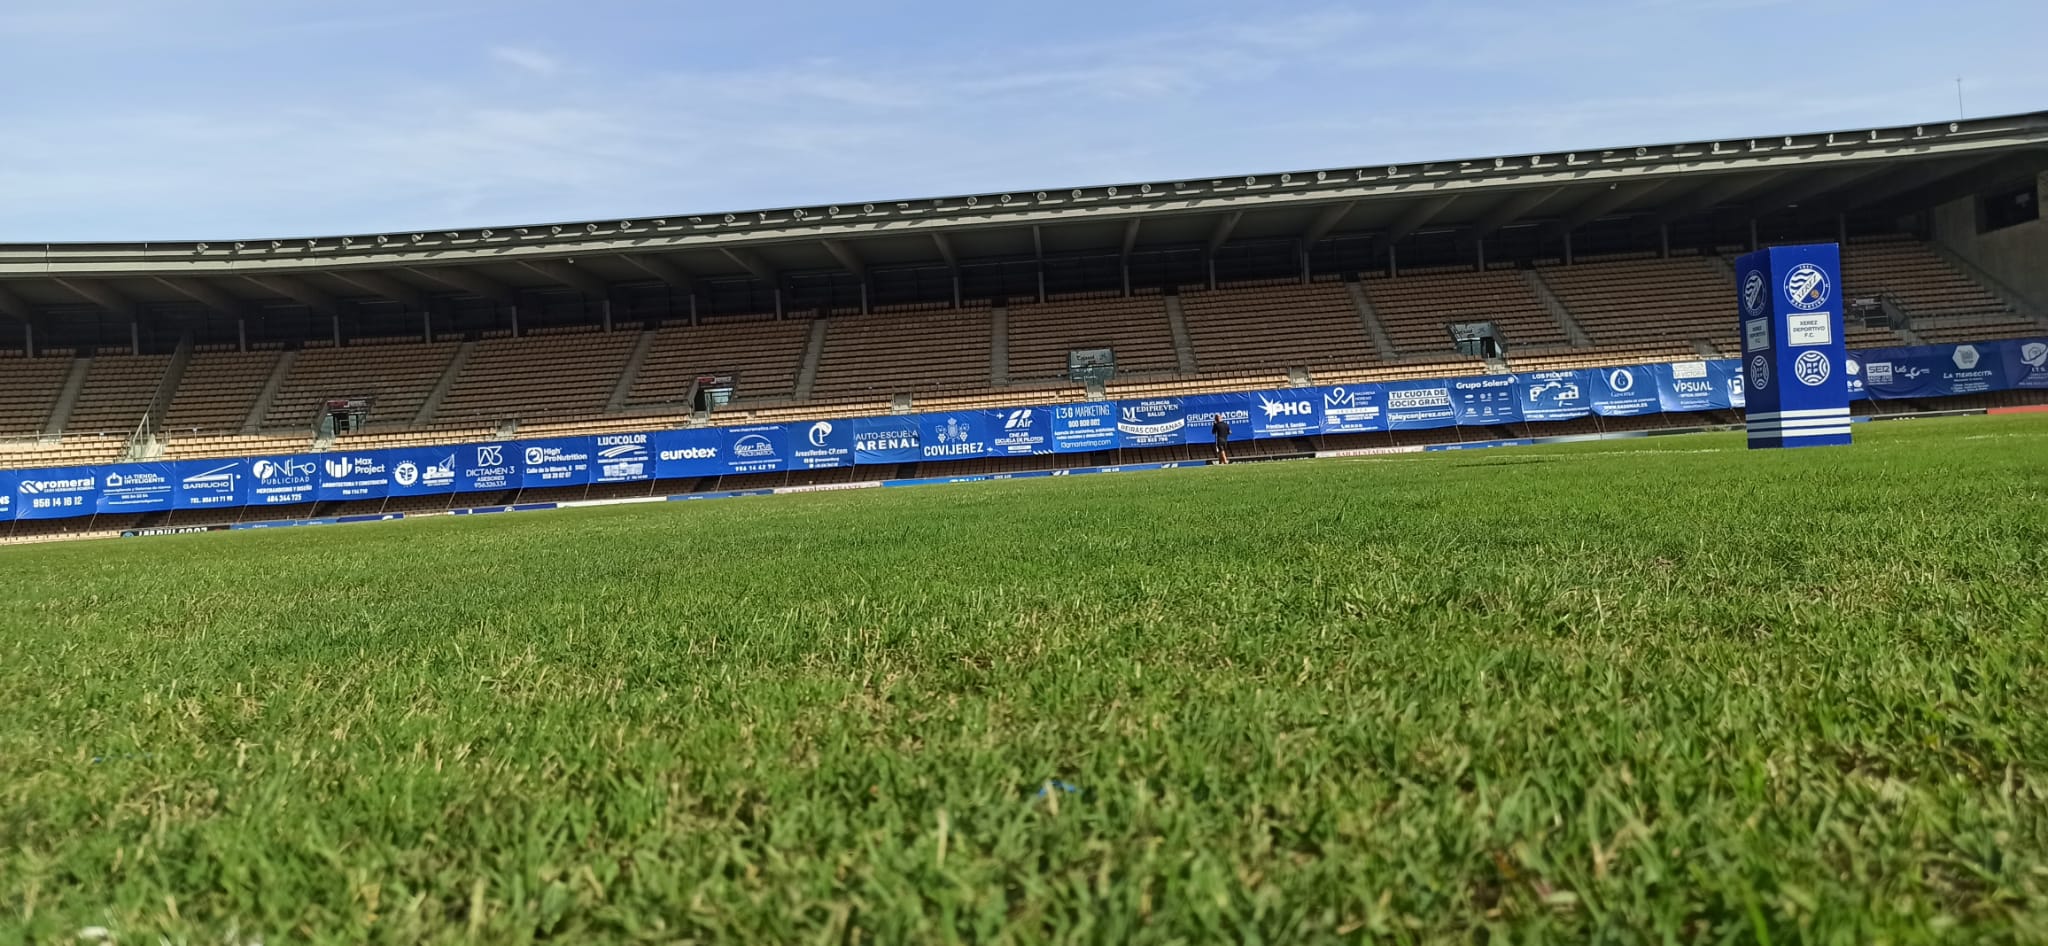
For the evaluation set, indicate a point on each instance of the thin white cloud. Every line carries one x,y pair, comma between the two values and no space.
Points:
528,60
424,143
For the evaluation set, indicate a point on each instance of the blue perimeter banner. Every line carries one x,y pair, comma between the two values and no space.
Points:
1928,371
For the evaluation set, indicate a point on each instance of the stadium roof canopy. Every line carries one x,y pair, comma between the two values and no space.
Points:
1909,168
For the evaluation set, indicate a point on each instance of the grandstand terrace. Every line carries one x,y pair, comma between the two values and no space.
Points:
1606,256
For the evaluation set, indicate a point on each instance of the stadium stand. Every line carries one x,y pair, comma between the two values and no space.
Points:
397,376
1628,303
763,356
218,390
559,372
1277,326
564,380
1042,334
1415,308
31,386
885,354
1944,304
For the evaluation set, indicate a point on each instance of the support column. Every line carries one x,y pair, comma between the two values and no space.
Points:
1842,229
1212,274
1393,262
1126,267
336,319
515,320
1304,265
1752,235
863,297
135,338
778,303
427,325
693,307
1664,241
607,304
1479,252
242,335
1568,257
28,332
1041,282
956,290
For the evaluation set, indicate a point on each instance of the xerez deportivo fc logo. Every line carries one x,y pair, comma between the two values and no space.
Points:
1759,372
1753,292
1806,287
1811,369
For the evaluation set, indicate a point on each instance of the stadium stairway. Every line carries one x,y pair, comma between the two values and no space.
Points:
1557,309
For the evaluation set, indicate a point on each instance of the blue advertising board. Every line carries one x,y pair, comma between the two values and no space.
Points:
1154,422
210,484
689,454
1944,370
1928,371
560,461
424,471
1491,399
488,467
283,481
2026,364
137,487
758,449
1087,427
1686,387
1793,354
1199,412
1020,431
959,435
57,494
1626,391
1352,409
1420,405
886,440
1555,395
821,445
355,475
623,458
1287,412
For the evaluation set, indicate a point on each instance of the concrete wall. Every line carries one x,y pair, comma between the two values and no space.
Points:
2016,256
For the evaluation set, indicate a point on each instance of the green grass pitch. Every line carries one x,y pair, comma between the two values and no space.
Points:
1658,691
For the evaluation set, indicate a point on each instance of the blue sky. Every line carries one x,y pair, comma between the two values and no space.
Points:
148,119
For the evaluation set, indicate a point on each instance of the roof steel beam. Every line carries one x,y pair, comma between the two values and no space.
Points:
751,262
465,280
206,292
386,286
15,306
102,295
846,257
1221,232
1806,187
1418,216
1903,180
1514,208
1967,181
567,274
1716,193
1604,202
297,290
945,245
660,268
1326,220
